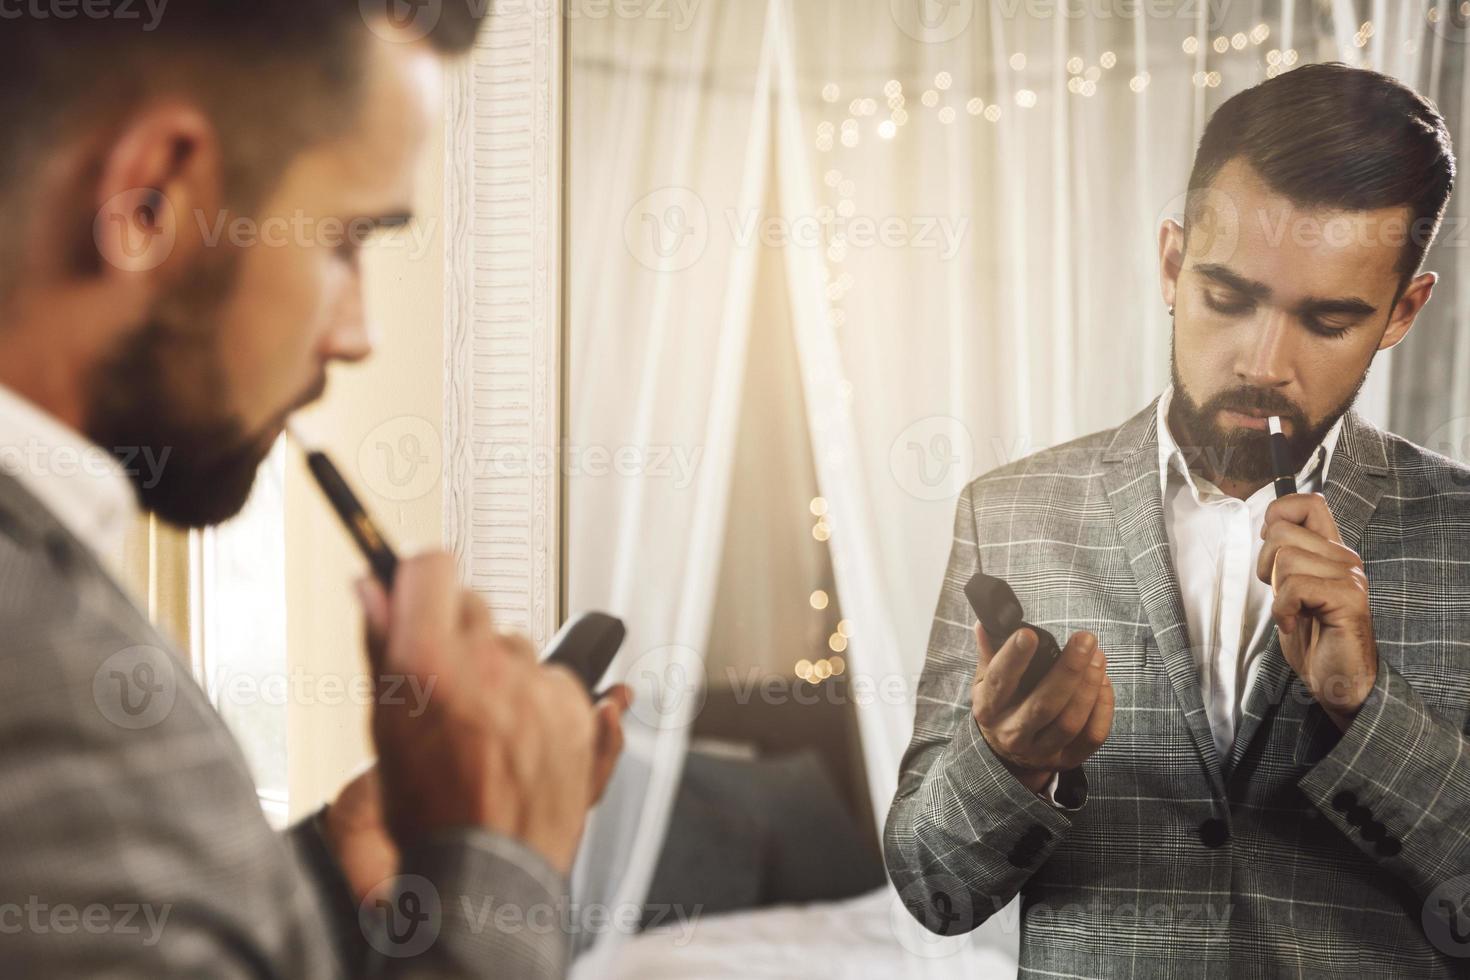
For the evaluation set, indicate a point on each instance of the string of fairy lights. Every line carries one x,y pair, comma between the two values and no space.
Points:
941,100
832,665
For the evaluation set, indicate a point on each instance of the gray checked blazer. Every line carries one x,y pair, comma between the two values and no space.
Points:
131,840
1308,852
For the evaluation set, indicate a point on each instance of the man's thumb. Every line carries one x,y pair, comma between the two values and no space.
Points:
982,642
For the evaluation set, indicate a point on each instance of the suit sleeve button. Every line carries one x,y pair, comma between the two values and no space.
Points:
1213,832
1388,847
1345,800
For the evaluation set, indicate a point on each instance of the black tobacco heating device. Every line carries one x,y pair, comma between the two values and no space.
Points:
585,645
1001,614
1286,484
1280,458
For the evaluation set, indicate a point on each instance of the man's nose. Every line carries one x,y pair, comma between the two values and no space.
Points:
1266,361
350,336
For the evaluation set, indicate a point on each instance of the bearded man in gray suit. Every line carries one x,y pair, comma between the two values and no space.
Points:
1250,759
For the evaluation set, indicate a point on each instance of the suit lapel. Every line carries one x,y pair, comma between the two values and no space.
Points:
1356,480
1131,477
22,517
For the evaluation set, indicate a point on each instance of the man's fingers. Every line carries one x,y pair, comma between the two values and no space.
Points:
1300,595
474,614
985,652
982,643
516,643
1074,714
609,742
425,609
1056,688
619,694
1291,560
1100,722
1306,509
1281,535
997,681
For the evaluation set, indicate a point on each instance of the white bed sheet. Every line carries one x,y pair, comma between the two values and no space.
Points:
870,937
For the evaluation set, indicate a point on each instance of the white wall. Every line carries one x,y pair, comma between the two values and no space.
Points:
397,395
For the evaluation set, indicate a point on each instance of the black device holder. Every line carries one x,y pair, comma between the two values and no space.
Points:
1001,614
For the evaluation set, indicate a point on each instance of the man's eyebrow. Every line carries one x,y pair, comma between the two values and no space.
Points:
1347,306
1340,306
388,221
1226,277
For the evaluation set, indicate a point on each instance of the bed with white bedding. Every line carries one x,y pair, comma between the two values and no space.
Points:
870,937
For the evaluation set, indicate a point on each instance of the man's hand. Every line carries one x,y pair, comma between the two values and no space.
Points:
1060,724
500,741
1318,577
358,836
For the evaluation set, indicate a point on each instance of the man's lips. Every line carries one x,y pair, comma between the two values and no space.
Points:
1251,418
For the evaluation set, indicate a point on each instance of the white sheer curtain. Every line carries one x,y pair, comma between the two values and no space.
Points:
672,131
986,188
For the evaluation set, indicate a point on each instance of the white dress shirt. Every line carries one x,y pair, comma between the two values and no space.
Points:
83,485
1215,542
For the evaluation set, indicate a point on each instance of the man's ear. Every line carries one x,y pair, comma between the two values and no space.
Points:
158,174
1171,259
1404,312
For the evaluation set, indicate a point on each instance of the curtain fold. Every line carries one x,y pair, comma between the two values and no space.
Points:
661,297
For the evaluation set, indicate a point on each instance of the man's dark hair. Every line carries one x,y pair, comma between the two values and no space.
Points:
276,76
1327,135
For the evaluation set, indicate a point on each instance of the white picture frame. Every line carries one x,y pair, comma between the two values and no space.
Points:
503,315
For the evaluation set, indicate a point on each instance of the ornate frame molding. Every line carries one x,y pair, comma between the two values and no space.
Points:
503,315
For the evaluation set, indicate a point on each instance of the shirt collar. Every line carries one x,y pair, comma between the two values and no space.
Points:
1171,457
83,485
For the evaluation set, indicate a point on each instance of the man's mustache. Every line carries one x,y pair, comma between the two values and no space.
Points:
1251,401
314,394
310,396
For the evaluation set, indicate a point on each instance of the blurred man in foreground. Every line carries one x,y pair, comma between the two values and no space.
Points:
131,840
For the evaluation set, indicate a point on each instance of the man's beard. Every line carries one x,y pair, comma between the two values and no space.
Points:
161,391
1238,453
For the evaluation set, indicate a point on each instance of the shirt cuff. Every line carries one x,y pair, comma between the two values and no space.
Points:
1066,791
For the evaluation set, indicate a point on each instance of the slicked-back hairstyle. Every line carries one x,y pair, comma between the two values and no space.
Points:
1328,135
274,75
